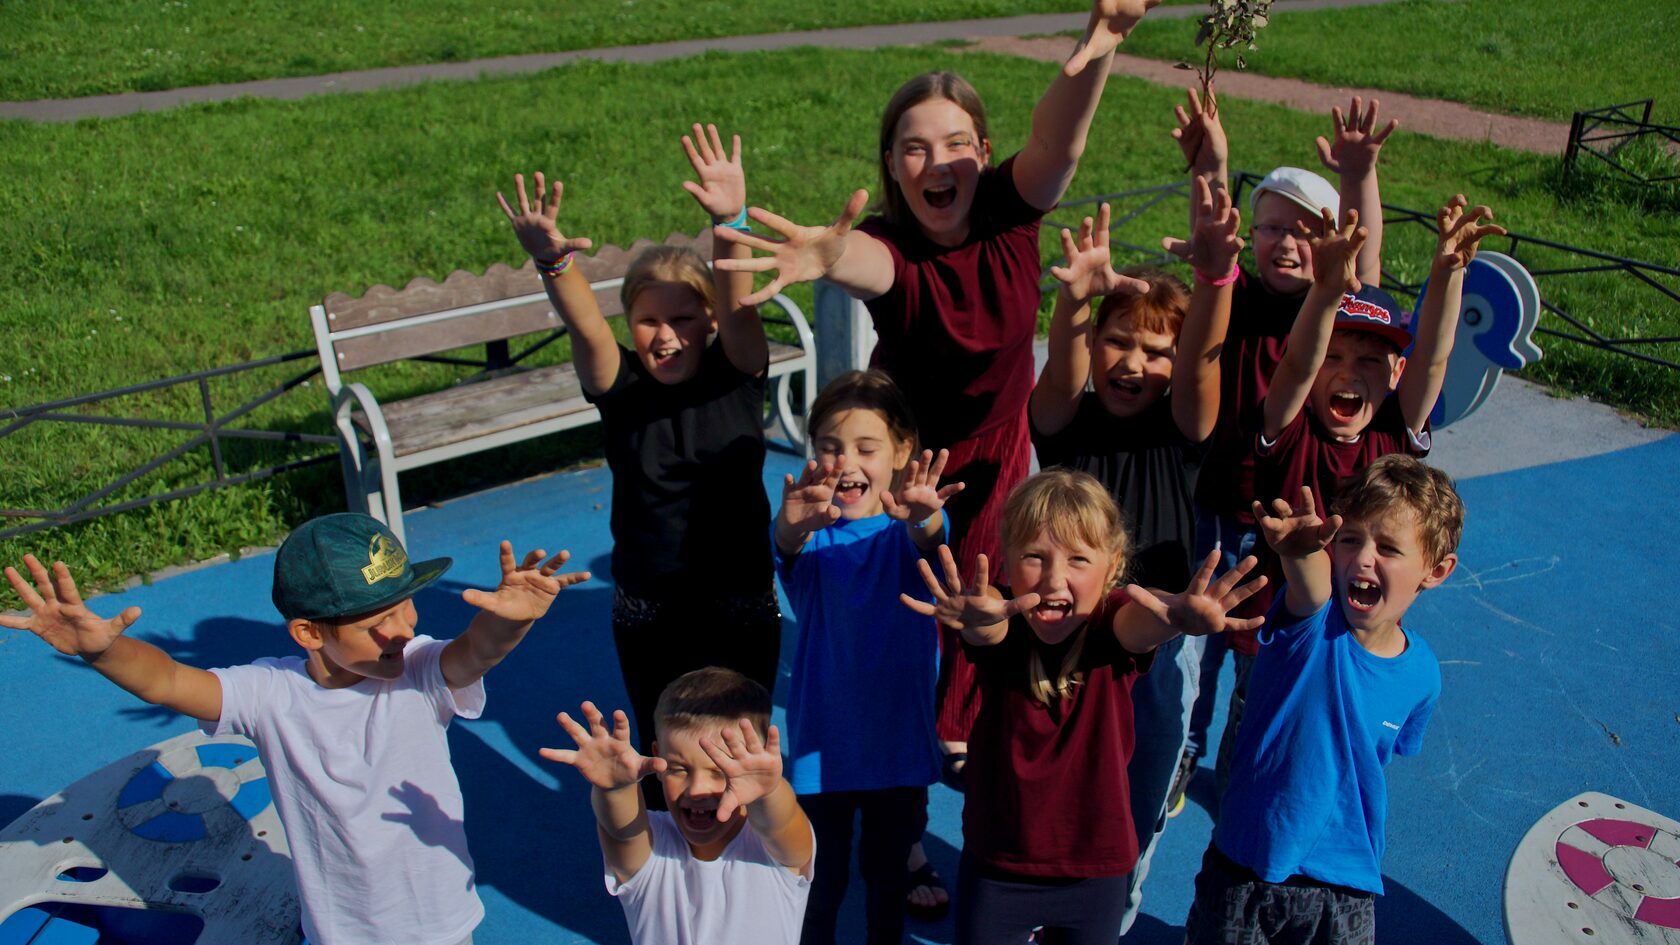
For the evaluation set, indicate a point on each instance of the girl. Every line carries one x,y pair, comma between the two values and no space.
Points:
848,540
1102,406
949,269
1041,846
681,413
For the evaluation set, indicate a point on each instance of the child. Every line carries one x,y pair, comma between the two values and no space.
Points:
949,270
349,731
860,706
1264,304
731,859
682,417
1145,446
1328,413
1339,687
1042,845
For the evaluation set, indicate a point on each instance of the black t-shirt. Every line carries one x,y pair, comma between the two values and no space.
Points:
1150,468
689,512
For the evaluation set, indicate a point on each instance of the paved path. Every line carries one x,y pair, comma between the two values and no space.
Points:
1423,115
861,37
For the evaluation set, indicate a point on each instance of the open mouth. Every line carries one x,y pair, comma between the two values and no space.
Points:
395,656
940,197
1286,265
663,357
698,819
1125,387
1345,406
1053,611
1363,596
850,491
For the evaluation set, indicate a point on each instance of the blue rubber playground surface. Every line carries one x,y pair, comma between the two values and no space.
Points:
1556,637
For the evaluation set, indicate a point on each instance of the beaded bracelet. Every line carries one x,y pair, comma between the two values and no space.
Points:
556,268
1227,279
739,223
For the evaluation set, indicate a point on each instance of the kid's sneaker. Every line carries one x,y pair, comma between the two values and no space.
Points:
1181,780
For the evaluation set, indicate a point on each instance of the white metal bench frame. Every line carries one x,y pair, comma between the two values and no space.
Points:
370,475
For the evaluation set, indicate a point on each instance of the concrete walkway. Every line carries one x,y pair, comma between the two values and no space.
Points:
860,37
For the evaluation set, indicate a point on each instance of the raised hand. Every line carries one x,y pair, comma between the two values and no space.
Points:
1214,245
1199,133
527,588
919,494
1335,252
1298,531
1354,151
1203,606
1090,270
751,767
964,608
57,614
534,224
1461,234
606,759
1111,22
804,254
722,189
808,502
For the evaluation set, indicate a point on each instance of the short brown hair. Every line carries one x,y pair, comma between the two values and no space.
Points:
712,698
925,87
667,264
1400,481
1161,309
870,390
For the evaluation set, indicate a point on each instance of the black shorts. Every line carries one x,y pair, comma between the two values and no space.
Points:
1233,906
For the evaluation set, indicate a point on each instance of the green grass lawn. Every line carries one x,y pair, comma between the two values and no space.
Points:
157,244
1523,57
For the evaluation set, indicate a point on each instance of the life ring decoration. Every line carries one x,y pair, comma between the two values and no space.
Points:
1595,869
195,790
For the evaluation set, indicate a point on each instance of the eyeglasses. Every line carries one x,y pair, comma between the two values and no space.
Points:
1272,231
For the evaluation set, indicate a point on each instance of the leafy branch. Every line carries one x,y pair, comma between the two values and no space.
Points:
1229,24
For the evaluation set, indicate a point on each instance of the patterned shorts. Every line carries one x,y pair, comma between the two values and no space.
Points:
1235,907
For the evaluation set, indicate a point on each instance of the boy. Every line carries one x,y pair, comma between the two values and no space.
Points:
730,861
352,733
1338,688
1264,305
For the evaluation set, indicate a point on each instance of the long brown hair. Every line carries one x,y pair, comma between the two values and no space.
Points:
927,86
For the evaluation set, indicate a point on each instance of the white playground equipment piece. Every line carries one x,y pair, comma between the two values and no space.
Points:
187,826
1495,334
1595,869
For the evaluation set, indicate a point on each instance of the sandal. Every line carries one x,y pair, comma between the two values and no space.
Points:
925,876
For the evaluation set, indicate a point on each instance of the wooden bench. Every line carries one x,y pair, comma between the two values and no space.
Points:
378,440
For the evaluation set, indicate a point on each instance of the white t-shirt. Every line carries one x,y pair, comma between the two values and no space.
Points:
364,787
742,897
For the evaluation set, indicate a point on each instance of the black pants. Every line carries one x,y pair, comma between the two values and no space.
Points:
892,822
1233,904
995,909
661,639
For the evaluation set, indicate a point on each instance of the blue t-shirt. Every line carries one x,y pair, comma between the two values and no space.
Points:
1324,715
860,708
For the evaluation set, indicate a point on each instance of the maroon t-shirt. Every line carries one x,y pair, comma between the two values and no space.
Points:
1047,793
956,328
1260,323
1305,454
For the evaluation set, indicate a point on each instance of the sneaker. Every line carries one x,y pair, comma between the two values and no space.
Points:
1181,781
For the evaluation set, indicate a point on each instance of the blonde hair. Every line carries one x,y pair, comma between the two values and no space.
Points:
1398,481
677,264
1075,509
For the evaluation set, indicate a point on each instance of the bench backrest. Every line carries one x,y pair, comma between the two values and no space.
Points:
426,317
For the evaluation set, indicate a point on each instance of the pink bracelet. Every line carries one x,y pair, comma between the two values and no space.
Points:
1229,278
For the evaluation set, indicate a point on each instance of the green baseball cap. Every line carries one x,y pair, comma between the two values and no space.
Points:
346,564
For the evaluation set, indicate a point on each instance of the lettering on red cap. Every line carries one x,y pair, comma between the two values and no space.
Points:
1363,309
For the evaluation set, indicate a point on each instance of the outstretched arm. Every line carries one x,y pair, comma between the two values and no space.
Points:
1334,253
1437,325
1199,611
58,616
722,192
856,262
978,611
1299,537
1201,138
807,505
753,769
613,768
594,349
1089,273
920,502
505,615
1062,120
1214,245
1353,156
